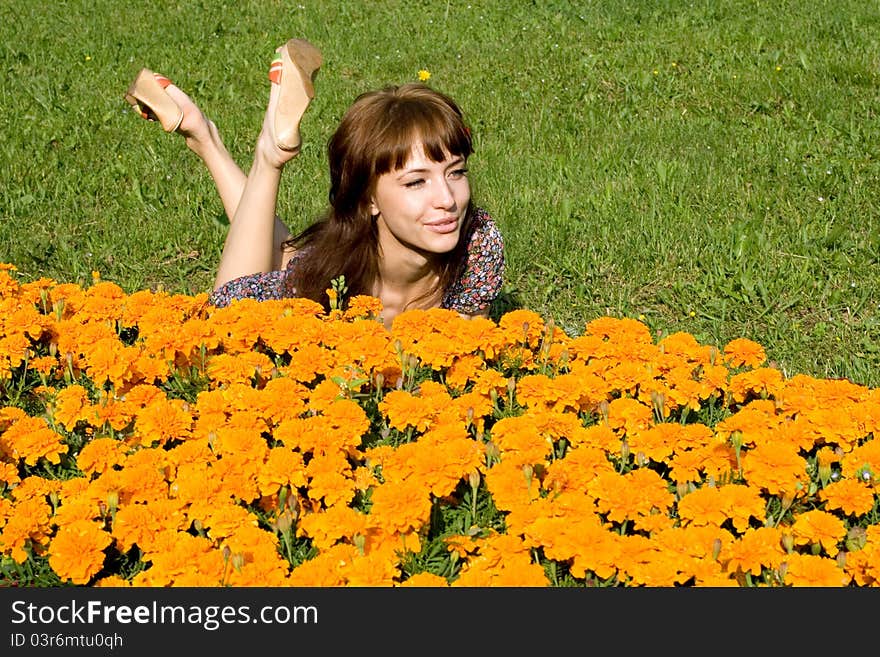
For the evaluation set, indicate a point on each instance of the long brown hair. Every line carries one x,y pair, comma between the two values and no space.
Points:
376,136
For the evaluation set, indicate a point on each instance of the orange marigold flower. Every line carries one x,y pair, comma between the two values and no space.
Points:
324,568
814,571
135,524
439,460
163,420
27,527
600,436
463,370
76,553
180,559
31,439
851,496
327,527
110,360
627,415
403,409
702,507
521,327
657,442
220,520
820,527
757,422
283,467
681,348
501,560
761,382
111,581
835,425
755,550
44,365
9,475
647,565
402,506
625,497
226,369
743,503
778,469
100,454
624,329
743,352
13,351
574,472
521,443
486,381
425,579
361,305
863,462
112,412
71,405
330,478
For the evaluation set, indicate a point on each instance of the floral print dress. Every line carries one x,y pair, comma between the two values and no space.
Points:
478,286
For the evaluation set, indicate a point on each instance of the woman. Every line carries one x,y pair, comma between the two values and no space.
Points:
400,225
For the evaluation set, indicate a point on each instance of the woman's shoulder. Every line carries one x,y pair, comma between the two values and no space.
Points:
483,273
484,236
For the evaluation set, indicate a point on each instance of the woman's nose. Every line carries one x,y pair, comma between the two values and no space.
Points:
443,195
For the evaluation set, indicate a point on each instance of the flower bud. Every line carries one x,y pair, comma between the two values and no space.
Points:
474,479
856,538
113,501
284,522
736,439
681,489
624,449
788,542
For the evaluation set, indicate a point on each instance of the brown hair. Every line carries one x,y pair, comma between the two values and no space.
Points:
376,136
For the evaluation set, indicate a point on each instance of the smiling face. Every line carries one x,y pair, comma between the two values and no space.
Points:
421,207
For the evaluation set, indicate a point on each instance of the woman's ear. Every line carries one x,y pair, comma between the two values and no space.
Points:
374,209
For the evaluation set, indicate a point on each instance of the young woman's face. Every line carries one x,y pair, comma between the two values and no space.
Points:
421,206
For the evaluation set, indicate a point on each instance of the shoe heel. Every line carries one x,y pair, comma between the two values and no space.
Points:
300,61
147,95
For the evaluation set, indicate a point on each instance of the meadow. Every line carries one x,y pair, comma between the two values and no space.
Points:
678,386
706,166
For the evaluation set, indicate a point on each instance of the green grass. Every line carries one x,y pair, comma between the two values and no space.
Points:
710,165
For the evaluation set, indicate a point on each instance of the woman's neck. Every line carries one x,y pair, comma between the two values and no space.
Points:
406,281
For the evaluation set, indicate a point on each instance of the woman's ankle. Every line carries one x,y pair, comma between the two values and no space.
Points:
205,141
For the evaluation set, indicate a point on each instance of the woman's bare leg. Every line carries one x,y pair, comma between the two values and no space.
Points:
249,247
203,139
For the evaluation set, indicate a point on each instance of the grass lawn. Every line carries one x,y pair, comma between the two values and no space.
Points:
709,167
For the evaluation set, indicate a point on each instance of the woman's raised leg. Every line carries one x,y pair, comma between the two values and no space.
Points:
202,138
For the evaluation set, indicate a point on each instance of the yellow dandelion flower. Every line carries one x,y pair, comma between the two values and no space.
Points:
424,75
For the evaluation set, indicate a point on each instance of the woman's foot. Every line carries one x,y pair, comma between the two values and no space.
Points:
156,98
197,129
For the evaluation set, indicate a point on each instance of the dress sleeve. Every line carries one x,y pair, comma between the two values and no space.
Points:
484,271
261,287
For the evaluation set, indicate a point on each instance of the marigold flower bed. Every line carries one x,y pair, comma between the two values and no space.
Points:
149,439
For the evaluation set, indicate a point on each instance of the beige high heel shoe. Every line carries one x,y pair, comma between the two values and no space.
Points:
295,70
148,97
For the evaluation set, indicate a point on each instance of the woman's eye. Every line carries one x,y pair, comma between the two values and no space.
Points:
458,173
413,183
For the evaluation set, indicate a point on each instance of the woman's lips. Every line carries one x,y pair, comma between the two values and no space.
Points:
443,226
